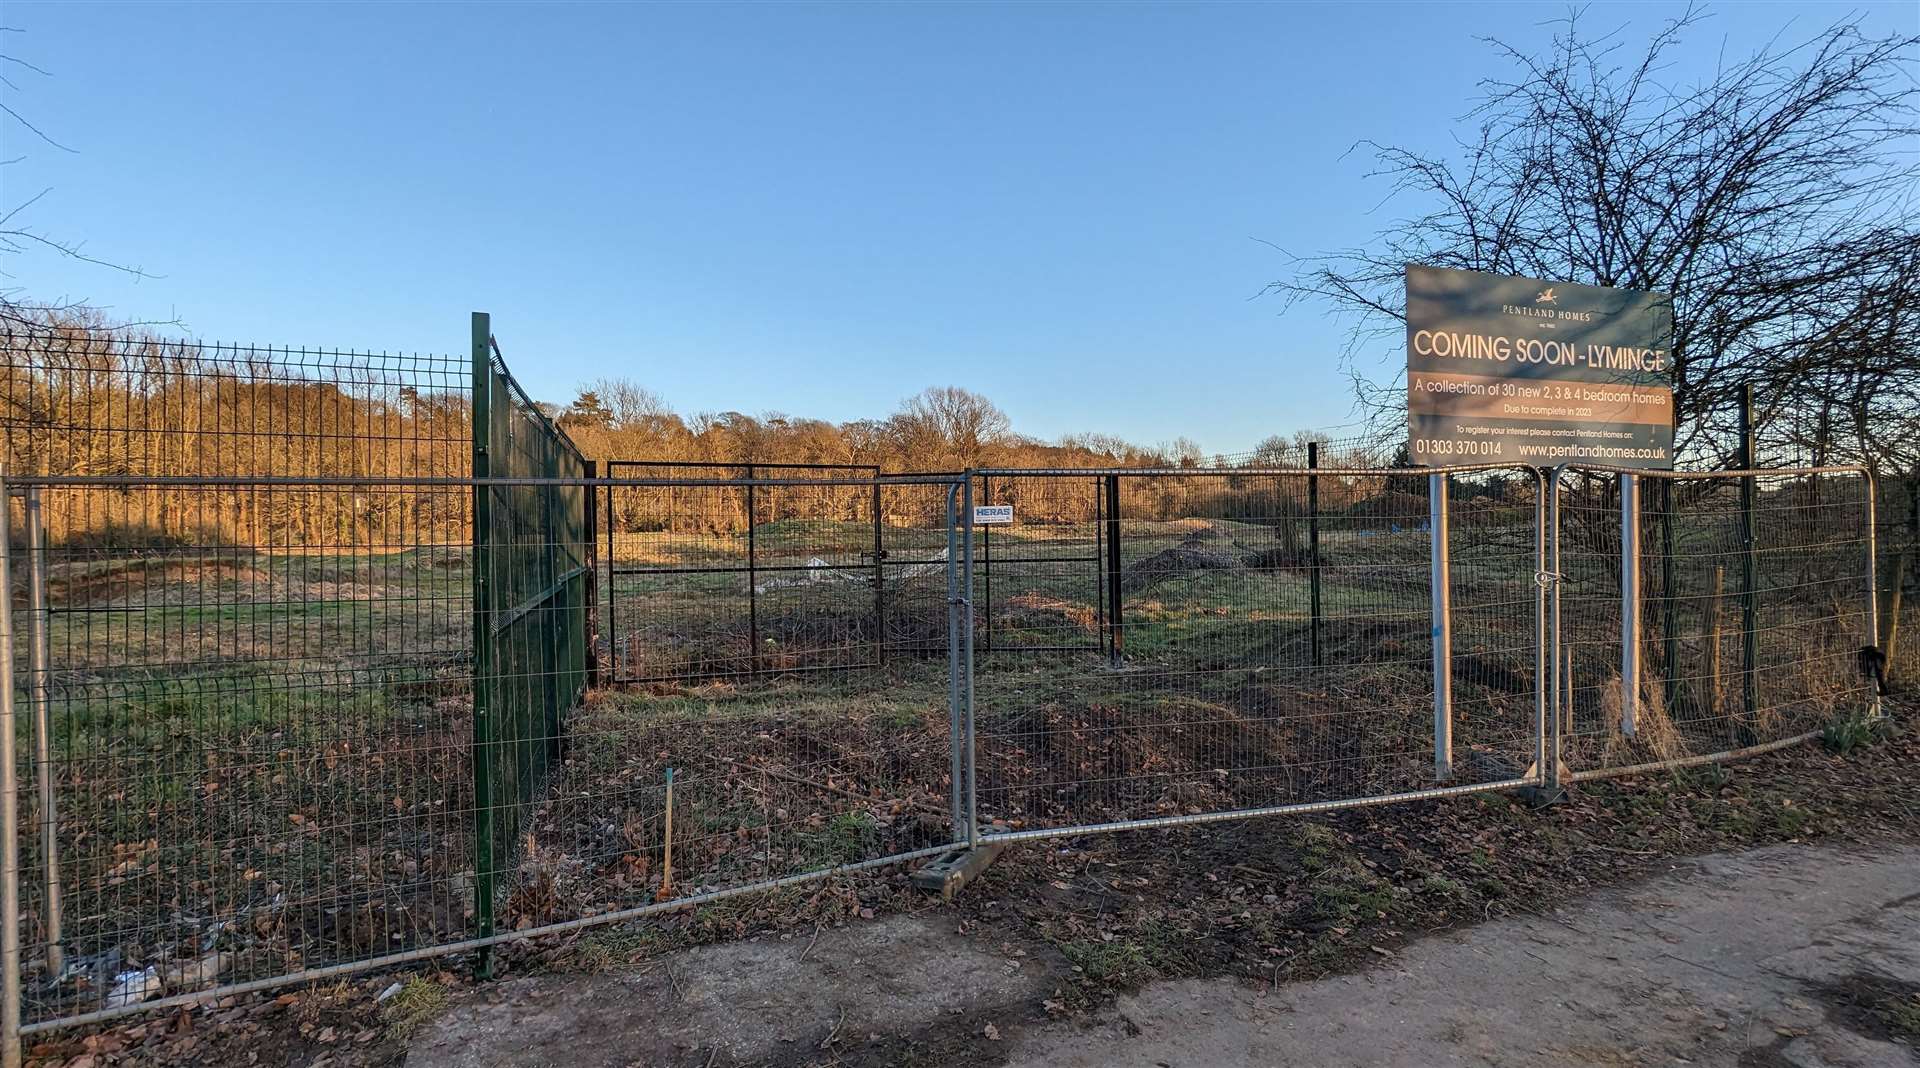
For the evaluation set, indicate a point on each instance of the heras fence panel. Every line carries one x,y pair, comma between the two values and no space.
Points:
1280,639
246,713
1706,615
244,697
690,787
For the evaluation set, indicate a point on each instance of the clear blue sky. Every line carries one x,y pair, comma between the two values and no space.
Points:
810,209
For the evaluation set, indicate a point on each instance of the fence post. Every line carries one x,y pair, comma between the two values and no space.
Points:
954,739
1099,558
550,605
1560,686
1313,547
753,584
879,579
40,622
10,991
1629,602
1873,588
1116,642
966,653
591,536
482,643
1442,626
986,561
1749,563
1547,775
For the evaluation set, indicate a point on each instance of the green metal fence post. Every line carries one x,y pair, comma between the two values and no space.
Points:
1313,547
986,563
482,644
554,608
879,579
590,544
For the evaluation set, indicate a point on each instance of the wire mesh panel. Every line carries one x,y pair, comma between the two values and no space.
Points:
250,712
687,786
1273,646
1040,579
741,577
1752,605
81,401
530,601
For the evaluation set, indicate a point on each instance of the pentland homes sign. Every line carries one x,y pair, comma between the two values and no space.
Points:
1526,371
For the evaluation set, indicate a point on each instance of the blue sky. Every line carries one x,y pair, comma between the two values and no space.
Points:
810,209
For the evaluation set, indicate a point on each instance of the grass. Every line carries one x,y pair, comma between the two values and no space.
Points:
418,1001
847,837
1843,734
247,742
1148,950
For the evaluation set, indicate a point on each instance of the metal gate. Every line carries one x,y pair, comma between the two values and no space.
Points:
1041,579
721,569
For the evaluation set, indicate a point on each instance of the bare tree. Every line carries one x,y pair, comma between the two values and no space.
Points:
16,236
1768,199
963,424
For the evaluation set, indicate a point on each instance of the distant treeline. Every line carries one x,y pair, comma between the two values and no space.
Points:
79,396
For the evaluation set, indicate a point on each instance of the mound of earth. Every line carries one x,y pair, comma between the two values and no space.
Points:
1190,555
1036,611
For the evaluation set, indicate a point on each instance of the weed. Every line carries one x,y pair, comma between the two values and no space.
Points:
1707,778
1856,729
1151,949
1119,961
843,839
614,948
419,1000
1317,845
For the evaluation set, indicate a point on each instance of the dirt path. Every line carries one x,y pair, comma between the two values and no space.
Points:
1783,956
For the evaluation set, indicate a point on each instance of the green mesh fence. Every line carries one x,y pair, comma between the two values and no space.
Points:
531,592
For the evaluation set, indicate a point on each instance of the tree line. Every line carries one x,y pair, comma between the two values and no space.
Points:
81,396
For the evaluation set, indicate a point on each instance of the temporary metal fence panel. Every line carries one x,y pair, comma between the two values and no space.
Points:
1215,701
280,727
687,786
245,702
1707,615
250,715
